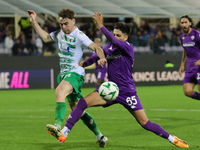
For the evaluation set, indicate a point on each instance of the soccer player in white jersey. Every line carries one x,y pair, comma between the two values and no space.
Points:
70,41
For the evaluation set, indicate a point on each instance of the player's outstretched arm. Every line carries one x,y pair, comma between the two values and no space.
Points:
99,52
99,22
42,33
98,19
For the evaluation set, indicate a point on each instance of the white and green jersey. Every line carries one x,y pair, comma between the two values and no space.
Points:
70,50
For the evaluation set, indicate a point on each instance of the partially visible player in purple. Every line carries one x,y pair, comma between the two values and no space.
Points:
100,71
120,57
190,41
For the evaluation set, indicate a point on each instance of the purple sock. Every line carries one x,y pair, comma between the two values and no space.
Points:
157,129
76,113
196,95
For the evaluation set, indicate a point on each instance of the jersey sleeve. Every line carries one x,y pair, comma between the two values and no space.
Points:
91,60
84,39
110,37
54,35
126,46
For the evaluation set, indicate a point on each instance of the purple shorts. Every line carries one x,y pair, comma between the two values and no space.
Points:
129,101
192,77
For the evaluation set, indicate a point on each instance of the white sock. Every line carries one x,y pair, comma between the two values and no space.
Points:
171,139
65,131
57,126
99,136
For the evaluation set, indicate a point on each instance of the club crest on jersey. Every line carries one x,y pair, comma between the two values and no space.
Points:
192,37
183,38
70,39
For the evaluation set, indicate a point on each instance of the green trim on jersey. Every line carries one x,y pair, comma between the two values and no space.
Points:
66,60
67,54
76,80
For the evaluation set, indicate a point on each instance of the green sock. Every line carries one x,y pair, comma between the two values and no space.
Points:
88,120
60,111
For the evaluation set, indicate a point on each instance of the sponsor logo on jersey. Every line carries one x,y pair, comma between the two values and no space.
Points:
189,44
115,55
64,47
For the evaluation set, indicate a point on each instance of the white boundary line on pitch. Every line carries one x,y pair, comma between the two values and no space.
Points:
102,118
102,109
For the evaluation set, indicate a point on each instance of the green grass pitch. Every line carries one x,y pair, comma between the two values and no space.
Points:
25,113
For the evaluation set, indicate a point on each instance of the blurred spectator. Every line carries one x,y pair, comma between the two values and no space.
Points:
146,26
8,43
15,47
141,42
4,33
138,34
90,34
174,41
20,52
168,33
48,47
133,40
39,46
133,26
165,38
51,27
159,44
151,40
26,44
145,36
198,26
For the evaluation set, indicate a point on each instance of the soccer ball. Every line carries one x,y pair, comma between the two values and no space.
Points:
109,91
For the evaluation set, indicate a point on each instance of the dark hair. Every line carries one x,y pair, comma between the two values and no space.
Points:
123,27
67,13
189,19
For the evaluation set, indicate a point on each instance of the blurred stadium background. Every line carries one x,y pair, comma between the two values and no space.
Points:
155,35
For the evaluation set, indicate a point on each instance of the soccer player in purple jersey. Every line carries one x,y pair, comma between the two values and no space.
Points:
100,71
120,57
190,41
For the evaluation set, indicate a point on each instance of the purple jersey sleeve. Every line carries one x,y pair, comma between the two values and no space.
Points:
94,57
120,57
123,45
